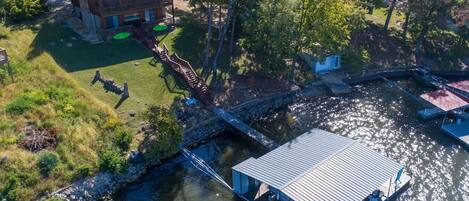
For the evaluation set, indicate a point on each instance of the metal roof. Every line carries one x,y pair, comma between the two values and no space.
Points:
444,99
319,165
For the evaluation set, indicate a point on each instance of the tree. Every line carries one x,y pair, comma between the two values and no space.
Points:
164,133
270,34
280,29
389,15
209,35
426,16
221,36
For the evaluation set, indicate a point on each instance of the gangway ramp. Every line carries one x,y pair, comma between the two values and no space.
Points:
245,129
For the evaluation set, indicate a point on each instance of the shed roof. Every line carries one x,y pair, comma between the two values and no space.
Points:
320,165
444,99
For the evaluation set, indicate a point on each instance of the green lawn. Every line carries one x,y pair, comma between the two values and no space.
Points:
379,17
122,61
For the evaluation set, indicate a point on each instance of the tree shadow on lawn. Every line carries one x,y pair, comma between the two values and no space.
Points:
190,44
176,85
74,54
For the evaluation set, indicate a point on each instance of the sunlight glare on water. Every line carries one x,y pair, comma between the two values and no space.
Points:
374,114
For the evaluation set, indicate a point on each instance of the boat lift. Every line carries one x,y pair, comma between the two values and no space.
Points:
451,99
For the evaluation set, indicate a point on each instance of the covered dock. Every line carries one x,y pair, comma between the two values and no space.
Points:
319,165
447,101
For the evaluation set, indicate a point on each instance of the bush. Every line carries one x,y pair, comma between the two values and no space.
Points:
25,102
356,59
47,162
8,190
165,133
111,160
84,170
123,139
18,10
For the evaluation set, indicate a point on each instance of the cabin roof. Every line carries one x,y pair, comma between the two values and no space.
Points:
444,99
323,166
462,85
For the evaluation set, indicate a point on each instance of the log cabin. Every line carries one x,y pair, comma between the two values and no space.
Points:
105,17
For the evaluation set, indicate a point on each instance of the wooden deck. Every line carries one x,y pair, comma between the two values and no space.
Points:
245,129
459,131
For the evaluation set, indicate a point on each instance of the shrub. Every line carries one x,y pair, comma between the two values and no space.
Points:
5,124
165,133
111,160
356,59
47,162
54,199
84,170
8,190
123,139
25,102
18,10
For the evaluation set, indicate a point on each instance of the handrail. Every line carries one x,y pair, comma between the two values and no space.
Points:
116,6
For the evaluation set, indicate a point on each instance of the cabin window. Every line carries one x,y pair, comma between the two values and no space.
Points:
131,17
112,22
150,15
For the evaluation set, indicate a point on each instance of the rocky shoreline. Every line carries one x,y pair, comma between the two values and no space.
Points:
105,183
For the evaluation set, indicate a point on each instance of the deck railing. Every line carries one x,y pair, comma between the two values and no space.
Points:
108,7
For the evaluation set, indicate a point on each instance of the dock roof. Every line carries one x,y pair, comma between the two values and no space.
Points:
462,85
444,100
320,165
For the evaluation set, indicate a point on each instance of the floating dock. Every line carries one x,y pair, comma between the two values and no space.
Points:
244,128
336,84
319,165
447,101
458,130
429,113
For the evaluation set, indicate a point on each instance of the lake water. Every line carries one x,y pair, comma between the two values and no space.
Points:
375,114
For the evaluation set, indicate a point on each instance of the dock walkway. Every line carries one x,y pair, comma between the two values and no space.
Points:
241,126
458,130
336,84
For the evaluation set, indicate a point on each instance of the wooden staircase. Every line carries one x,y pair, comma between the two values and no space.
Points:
179,65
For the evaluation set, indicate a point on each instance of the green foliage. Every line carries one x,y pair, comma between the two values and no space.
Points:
54,199
111,160
18,10
9,189
165,133
25,102
271,34
65,102
123,139
47,162
5,124
446,47
356,59
280,29
14,180
84,170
